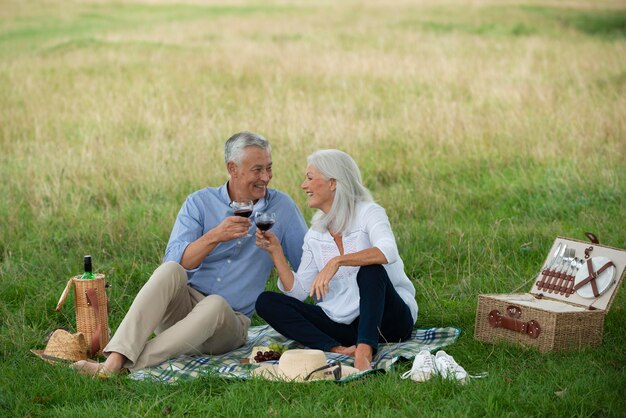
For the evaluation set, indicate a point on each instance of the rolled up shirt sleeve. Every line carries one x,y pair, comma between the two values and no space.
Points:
304,277
380,234
187,228
292,240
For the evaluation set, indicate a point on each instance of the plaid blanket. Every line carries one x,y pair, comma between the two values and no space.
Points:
229,365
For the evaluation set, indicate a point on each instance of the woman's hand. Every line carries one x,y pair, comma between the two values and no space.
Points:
270,243
267,241
321,284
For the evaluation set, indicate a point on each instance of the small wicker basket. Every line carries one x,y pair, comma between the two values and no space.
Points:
92,310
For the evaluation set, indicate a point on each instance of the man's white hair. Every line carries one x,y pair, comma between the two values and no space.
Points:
235,145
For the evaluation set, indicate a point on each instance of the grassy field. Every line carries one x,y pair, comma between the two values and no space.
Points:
486,128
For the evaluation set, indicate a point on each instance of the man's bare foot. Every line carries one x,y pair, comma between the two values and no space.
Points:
363,357
111,366
346,351
90,368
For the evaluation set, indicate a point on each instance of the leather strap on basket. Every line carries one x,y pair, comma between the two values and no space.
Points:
497,320
92,298
592,277
61,301
592,237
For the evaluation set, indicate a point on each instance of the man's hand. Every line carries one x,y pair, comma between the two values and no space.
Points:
231,228
321,285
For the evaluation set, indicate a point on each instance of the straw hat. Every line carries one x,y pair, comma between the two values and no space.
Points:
304,365
64,346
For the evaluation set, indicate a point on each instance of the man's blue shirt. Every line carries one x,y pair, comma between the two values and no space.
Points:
237,270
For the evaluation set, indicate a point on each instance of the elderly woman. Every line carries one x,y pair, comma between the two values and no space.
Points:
350,265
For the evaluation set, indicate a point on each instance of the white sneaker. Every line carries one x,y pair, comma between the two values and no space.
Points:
448,368
423,367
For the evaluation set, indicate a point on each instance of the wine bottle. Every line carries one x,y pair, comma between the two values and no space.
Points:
88,274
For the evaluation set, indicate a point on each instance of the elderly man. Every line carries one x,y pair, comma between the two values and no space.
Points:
200,300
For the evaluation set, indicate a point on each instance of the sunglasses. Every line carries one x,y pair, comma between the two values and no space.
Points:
336,372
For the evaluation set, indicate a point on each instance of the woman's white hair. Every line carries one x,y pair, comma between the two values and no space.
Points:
337,165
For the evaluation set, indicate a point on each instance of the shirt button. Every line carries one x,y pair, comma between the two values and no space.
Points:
219,279
238,242
228,261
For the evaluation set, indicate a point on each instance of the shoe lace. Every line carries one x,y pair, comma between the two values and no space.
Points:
426,365
451,367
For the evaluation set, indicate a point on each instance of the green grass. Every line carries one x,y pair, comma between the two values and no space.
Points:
80,25
604,23
486,129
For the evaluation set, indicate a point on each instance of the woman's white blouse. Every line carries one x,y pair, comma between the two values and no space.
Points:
371,228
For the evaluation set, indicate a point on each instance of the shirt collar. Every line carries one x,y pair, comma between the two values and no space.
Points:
260,205
223,191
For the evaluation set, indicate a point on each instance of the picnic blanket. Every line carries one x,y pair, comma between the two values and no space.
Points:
229,365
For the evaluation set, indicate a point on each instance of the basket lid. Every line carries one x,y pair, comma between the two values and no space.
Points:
581,273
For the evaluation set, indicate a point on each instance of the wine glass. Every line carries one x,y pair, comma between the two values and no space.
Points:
242,208
265,220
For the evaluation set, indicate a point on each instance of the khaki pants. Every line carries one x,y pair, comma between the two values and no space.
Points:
185,321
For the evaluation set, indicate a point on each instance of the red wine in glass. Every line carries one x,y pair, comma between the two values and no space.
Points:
264,225
243,209
243,212
265,220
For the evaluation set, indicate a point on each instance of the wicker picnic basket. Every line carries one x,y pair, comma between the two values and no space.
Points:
92,310
566,306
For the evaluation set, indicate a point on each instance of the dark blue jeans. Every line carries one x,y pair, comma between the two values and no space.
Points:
384,317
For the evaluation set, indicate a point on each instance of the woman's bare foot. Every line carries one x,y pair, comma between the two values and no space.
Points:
346,351
363,357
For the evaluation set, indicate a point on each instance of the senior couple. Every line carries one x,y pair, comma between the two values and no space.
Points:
201,299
